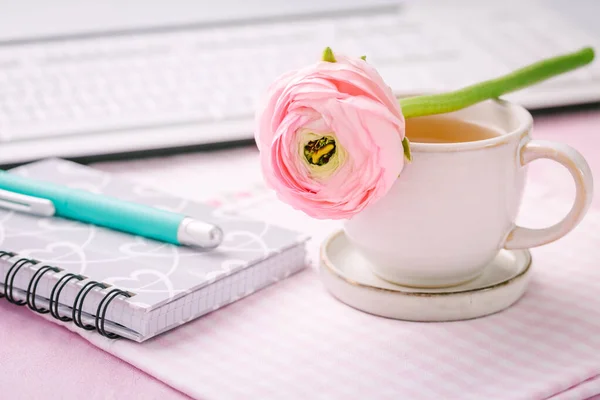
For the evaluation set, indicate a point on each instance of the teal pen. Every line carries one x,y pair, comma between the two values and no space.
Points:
47,199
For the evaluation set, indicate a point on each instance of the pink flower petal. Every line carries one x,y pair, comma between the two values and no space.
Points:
350,100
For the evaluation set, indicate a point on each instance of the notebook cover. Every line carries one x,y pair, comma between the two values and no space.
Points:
156,273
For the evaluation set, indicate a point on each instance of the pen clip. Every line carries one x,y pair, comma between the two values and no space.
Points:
26,204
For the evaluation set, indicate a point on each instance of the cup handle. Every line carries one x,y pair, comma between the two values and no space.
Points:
522,238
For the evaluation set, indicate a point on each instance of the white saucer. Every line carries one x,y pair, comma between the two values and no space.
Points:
347,275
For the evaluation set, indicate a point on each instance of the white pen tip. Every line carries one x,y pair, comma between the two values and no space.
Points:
199,234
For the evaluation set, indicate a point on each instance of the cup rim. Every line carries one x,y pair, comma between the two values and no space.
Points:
525,126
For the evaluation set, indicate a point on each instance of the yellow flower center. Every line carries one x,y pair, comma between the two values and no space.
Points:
320,151
321,154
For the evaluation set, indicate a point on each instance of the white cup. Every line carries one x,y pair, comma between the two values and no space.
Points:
454,207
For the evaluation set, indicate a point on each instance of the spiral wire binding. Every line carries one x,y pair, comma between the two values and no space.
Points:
32,288
55,294
101,312
5,254
78,303
53,301
9,280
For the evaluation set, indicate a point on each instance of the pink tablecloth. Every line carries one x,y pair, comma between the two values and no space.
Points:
43,360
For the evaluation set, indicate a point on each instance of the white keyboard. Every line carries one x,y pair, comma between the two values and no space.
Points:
132,92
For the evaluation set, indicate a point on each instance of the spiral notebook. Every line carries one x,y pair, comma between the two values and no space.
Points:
127,286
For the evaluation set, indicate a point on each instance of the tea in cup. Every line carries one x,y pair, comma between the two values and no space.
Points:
454,206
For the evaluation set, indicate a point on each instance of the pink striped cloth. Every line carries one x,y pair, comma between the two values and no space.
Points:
293,340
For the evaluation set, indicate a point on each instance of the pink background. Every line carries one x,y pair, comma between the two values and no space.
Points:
42,360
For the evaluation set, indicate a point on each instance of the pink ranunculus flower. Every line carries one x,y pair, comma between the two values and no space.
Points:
330,138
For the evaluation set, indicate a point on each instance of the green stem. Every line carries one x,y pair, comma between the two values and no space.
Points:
452,101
